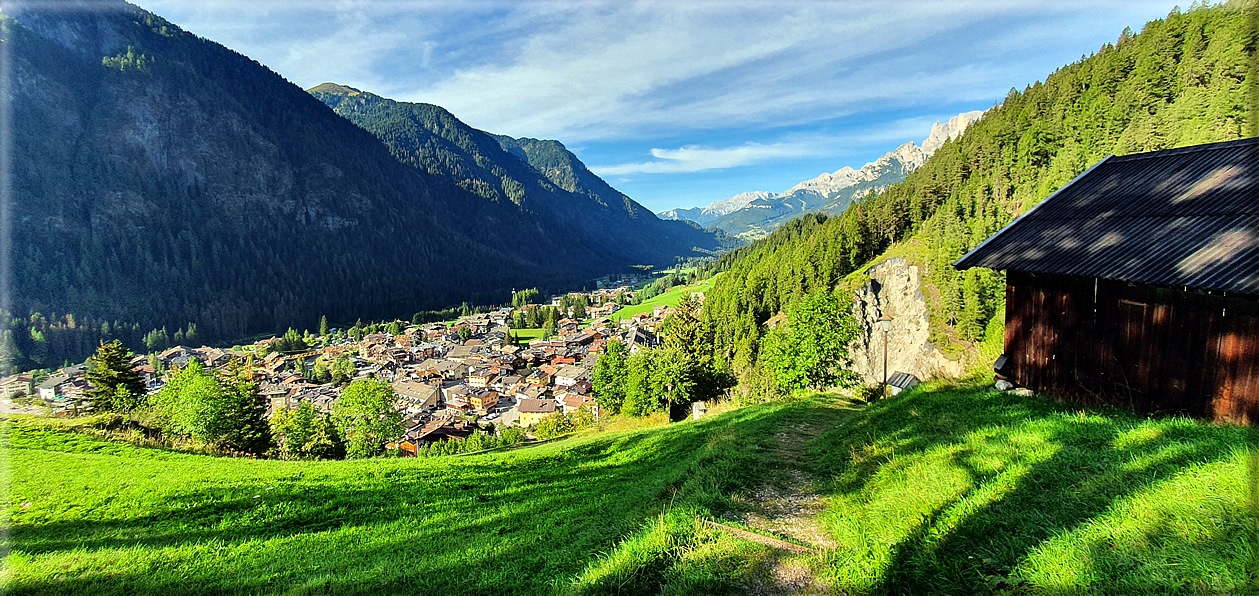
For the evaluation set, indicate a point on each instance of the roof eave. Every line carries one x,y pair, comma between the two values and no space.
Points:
961,263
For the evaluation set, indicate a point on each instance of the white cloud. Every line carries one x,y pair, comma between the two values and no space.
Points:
603,70
695,158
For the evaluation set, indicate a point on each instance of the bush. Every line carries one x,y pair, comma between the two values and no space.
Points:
511,436
553,426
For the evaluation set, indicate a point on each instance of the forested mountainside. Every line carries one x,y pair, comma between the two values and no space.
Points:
552,189
1181,81
162,179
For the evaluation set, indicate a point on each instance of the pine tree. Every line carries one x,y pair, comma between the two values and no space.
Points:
116,386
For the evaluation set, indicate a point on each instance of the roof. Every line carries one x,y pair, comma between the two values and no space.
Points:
1178,217
572,372
903,380
537,406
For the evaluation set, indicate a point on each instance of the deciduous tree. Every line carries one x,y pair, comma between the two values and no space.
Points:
366,417
812,351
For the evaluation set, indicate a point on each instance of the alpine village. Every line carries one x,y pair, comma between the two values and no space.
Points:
261,339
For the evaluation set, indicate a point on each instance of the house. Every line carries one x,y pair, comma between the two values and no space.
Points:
531,392
482,378
573,402
417,395
457,406
580,338
483,400
532,411
47,390
460,353
431,431
19,385
211,357
458,391
638,338
275,394
569,375
506,382
1137,283
539,378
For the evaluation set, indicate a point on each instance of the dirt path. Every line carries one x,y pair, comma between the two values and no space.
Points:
787,506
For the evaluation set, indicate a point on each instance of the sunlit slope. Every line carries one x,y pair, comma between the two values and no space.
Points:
940,490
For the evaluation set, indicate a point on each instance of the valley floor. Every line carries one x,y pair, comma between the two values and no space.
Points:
953,490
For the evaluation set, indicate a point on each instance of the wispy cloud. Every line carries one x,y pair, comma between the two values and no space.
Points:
695,158
598,70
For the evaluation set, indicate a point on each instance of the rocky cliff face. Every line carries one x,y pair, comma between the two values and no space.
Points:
895,289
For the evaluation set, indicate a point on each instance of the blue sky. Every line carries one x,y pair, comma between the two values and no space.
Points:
678,104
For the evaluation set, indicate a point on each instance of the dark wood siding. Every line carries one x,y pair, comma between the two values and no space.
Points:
1156,350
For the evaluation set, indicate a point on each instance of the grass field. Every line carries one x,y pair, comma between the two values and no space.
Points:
670,297
955,490
527,335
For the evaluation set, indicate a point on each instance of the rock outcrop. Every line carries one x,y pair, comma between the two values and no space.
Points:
895,288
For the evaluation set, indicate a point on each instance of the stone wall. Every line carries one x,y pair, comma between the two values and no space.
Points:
896,289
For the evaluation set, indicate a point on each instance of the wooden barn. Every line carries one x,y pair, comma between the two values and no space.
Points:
1138,284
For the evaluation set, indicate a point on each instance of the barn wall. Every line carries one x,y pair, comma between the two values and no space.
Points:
1157,350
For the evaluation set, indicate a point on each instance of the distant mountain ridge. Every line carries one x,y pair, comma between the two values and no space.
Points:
716,209
832,192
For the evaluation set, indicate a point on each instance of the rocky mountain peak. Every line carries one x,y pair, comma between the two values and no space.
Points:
941,132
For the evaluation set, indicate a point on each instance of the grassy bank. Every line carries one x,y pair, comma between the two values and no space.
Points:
941,490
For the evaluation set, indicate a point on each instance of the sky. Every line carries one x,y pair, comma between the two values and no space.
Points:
678,104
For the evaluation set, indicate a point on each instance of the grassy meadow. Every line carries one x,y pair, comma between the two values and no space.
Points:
944,489
669,297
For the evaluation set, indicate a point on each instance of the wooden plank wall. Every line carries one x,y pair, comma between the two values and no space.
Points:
1156,350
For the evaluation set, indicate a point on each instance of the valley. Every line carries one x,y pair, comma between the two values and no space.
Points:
817,391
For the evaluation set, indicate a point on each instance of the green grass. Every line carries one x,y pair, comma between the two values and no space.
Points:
955,490
527,335
669,297
110,518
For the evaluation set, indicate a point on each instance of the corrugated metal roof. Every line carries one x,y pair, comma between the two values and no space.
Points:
1178,217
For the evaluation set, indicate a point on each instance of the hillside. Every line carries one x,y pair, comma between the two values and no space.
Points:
552,188
1181,81
952,490
165,180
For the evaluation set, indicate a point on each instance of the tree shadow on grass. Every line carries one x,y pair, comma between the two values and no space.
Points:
1014,473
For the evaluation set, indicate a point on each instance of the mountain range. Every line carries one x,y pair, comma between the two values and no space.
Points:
161,178
706,215
753,215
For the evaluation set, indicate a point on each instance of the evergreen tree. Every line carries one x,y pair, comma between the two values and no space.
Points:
116,386
323,326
